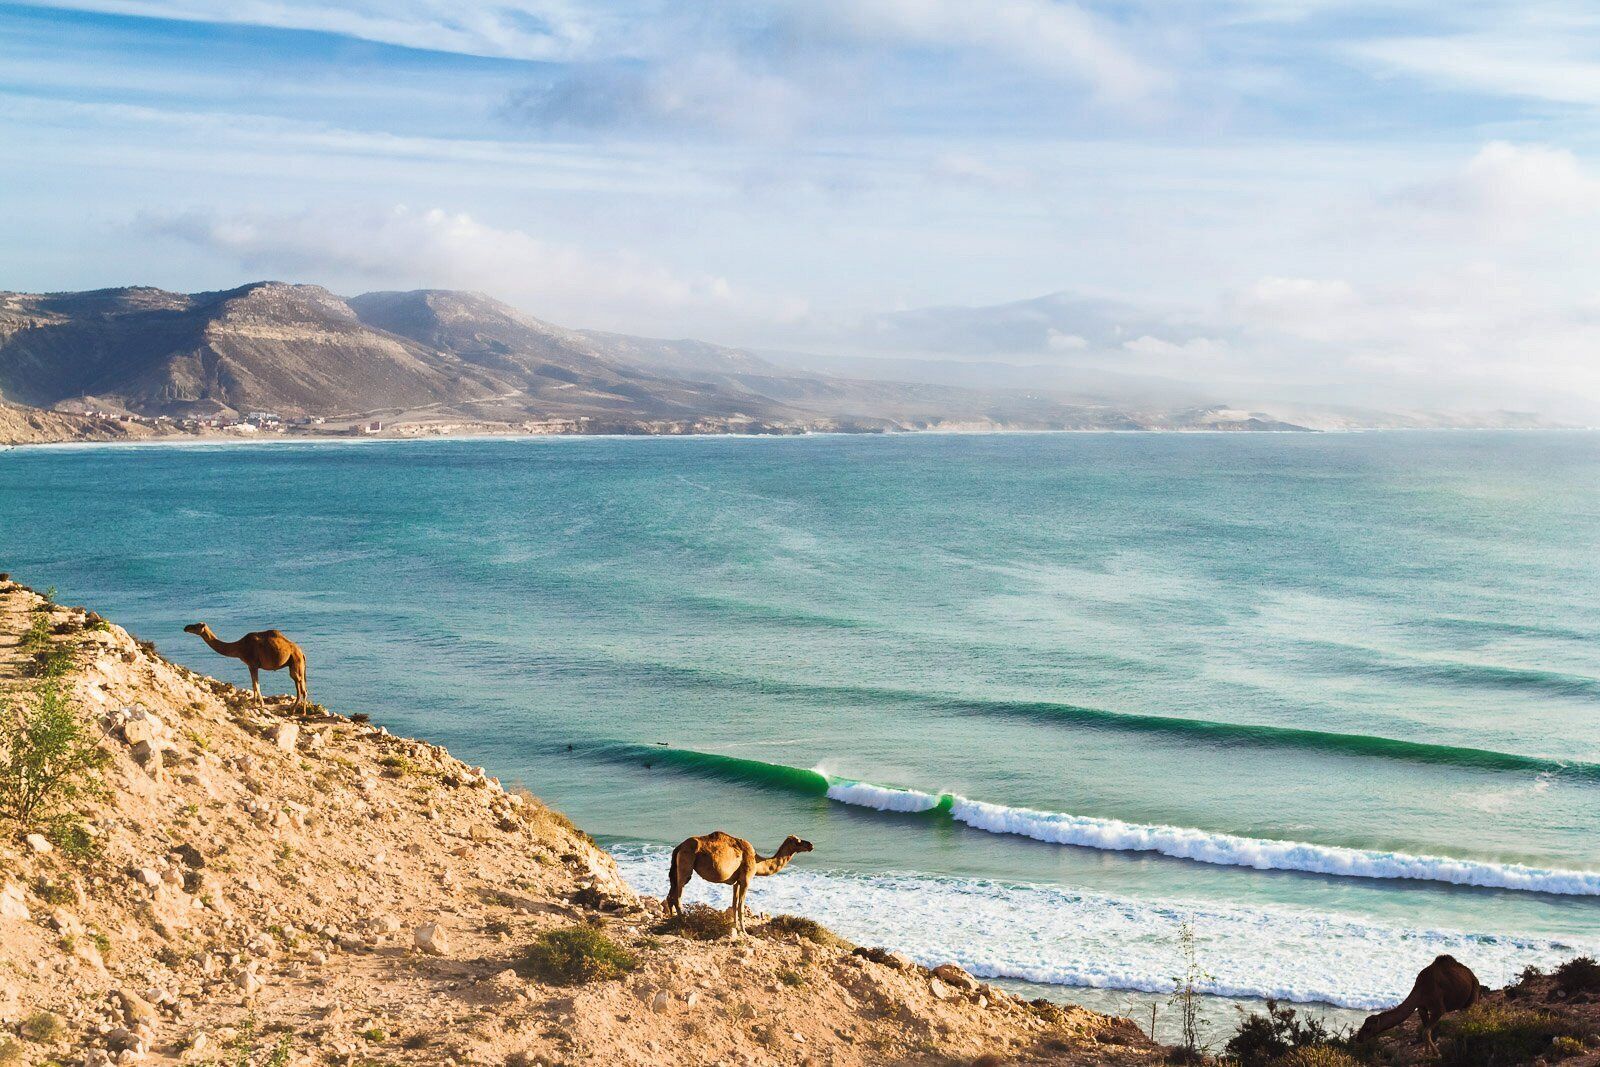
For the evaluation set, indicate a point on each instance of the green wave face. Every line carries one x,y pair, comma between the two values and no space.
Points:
1208,731
774,776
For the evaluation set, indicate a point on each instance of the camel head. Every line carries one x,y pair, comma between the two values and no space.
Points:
200,629
793,844
1370,1029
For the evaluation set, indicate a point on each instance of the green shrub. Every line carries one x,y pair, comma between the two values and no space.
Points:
1497,1035
804,929
577,955
49,759
44,1027
36,638
1262,1039
791,978
10,1052
1316,1056
698,922
1580,975
56,661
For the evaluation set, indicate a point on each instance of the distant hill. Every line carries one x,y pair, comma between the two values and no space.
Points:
299,350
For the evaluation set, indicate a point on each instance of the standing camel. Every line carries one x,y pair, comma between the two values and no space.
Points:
1443,986
726,860
262,650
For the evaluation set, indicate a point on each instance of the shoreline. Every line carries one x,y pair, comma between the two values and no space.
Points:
319,440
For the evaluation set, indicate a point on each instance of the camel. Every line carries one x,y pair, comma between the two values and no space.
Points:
261,650
726,860
1443,986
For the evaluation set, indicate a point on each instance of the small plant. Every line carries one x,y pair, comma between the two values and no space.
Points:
11,1054
376,1035
44,1027
73,839
698,922
1580,975
36,638
577,955
49,760
804,929
1263,1039
94,622
396,766
54,892
1501,1035
791,978
1316,1056
1186,993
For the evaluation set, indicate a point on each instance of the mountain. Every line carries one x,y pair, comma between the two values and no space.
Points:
453,358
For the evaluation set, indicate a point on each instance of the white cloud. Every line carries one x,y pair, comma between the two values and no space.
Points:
711,90
403,247
1048,37
1508,189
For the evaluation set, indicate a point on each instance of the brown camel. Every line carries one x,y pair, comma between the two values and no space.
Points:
1443,986
726,860
262,650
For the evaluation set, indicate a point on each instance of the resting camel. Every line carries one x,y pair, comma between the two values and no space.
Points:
1445,985
726,860
262,650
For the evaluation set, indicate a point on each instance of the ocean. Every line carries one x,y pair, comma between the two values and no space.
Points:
1331,702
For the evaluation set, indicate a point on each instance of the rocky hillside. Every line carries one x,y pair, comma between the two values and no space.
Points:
254,886
435,357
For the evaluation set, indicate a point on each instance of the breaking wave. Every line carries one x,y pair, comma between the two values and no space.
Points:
1115,835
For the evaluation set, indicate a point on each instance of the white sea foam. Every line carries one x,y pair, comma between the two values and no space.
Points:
1231,851
867,795
1062,936
1227,850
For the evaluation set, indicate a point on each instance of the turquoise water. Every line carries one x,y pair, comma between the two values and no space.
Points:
1038,700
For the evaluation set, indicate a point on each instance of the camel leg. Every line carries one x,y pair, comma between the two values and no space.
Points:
297,671
1429,1015
739,889
678,876
255,686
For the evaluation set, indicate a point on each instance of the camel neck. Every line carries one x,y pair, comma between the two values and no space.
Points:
773,864
219,646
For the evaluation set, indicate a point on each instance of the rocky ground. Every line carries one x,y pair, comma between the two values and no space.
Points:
261,887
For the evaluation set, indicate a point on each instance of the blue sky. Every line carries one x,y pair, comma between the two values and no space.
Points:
1393,203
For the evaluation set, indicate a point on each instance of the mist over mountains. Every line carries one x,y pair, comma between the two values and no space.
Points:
430,355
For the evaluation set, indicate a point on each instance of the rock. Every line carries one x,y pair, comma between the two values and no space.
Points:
691,998
950,974
138,731
38,843
286,735
249,982
137,1011
146,877
123,1039
147,754
660,1001
13,905
430,938
939,990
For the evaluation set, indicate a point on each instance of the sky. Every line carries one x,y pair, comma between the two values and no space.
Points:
1390,204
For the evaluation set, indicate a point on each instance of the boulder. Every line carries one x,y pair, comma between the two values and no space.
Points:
137,1011
953,975
286,735
38,843
13,904
430,938
147,754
